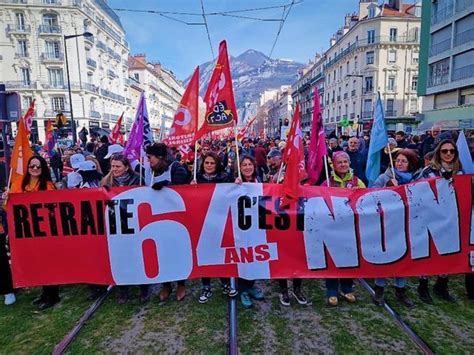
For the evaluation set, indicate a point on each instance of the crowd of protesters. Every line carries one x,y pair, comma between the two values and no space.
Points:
101,164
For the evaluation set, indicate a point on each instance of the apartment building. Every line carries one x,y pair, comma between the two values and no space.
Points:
447,64
376,50
33,60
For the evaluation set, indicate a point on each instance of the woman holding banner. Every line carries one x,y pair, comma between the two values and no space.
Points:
212,171
122,174
341,176
38,178
248,171
445,163
406,166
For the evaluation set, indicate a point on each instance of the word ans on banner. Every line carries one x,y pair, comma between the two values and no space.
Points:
139,235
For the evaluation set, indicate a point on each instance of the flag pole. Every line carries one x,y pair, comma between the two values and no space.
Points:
326,169
391,160
141,165
237,151
195,160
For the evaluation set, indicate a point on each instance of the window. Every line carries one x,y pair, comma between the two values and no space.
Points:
370,57
391,83
414,57
20,21
355,63
25,76
26,101
367,112
58,104
414,83
53,49
340,72
369,84
136,76
372,12
414,105
371,36
22,48
347,68
390,103
56,77
392,56
393,34
50,20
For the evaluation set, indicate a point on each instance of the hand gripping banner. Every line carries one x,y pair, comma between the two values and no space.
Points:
139,235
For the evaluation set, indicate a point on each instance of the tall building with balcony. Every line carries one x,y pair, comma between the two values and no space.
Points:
163,92
303,90
32,60
447,64
280,109
376,50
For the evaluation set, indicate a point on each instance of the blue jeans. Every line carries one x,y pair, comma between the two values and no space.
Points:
399,282
332,286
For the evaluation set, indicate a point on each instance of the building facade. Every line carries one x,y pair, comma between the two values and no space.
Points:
280,111
377,50
33,60
447,64
163,92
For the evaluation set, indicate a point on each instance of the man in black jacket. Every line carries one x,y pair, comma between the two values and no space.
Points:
166,172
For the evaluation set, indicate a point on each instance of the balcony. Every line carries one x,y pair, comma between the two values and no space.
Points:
91,63
440,47
353,93
18,29
101,45
368,90
90,39
111,74
464,37
49,29
390,113
463,73
51,2
22,55
59,86
19,85
91,87
352,116
129,101
52,57
441,15
346,96
461,5
95,114
366,114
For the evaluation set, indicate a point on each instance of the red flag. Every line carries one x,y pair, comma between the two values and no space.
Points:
184,127
21,150
116,136
317,144
219,98
293,157
243,132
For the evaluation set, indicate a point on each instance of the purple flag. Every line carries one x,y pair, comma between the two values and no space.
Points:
135,140
317,144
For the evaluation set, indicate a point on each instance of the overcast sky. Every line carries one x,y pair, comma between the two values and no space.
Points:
181,47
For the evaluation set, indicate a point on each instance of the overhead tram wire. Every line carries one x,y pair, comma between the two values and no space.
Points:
207,29
184,22
284,17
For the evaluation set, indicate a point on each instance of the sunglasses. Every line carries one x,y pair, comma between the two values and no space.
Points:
450,151
33,166
401,161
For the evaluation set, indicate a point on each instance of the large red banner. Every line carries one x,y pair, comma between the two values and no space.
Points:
139,235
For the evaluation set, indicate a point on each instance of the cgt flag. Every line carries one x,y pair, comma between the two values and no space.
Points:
293,157
317,144
183,130
219,98
116,136
21,150
243,132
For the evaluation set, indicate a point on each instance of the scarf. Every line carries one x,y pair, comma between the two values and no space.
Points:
403,177
122,180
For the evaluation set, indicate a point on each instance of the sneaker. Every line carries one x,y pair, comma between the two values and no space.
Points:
299,295
349,297
401,295
441,290
255,293
245,299
424,292
10,299
333,301
206,293
229,291
47,304
285,298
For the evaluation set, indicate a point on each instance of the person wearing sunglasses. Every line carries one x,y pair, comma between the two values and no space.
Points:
212,171
406,170
445,163
38,178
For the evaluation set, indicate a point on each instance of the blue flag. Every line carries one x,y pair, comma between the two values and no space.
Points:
378,141
464,154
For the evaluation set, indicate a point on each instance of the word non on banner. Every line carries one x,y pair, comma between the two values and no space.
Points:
139,236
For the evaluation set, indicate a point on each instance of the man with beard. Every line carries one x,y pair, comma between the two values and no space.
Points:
166,172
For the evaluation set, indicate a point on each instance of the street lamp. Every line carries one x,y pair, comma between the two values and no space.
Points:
361,92
73,124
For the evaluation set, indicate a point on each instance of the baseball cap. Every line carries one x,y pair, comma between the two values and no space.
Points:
73,179
112,149
76,160
87,165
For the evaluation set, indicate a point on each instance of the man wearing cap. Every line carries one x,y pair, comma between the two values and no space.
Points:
274,159
166,172
357,160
